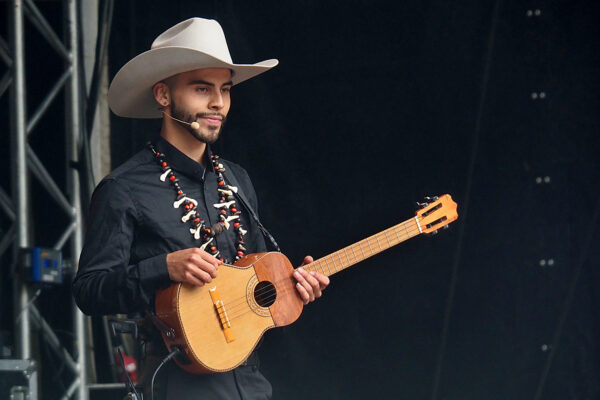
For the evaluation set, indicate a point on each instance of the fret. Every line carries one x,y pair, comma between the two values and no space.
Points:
353,253
340,258
312,267
321,267
327,265
335,267
397,235
346,254
333,261
388,240
390,237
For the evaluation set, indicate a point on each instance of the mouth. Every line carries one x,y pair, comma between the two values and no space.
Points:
212,120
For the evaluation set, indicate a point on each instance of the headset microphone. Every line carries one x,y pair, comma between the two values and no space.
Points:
194,125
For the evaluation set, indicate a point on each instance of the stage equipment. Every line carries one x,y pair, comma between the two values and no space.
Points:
42,265
18,380
24,161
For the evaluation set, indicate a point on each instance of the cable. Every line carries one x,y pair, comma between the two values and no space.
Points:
126,373
163,362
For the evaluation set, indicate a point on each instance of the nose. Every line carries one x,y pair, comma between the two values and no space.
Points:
216,101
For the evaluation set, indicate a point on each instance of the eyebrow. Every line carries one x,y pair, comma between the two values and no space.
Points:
201,82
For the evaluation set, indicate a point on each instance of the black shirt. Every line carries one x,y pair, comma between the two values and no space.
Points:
133,225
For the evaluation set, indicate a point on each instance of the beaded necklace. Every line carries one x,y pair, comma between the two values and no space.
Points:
227,210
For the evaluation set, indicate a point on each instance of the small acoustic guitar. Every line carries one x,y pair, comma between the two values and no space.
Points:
217,326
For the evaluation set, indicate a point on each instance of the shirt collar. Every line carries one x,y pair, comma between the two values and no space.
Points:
182,163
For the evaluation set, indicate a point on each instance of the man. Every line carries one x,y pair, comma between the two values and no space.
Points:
153,221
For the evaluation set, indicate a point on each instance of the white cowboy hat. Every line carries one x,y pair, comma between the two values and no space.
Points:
192,44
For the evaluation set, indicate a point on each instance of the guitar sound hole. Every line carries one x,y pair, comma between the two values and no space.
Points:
265,294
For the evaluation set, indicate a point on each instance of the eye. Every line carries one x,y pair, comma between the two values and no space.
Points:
201,89
226,89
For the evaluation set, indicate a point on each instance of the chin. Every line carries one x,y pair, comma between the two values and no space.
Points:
208,138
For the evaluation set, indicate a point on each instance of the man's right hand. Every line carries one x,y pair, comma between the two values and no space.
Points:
193,266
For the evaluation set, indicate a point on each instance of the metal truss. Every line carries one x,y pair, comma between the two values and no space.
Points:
24,159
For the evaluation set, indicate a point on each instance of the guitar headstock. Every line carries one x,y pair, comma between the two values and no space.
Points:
436,212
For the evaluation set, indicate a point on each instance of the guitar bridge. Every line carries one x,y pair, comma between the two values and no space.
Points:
222,314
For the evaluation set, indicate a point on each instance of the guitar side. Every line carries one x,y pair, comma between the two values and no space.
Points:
218,337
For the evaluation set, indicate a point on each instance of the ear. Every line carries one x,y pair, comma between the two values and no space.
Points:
162,94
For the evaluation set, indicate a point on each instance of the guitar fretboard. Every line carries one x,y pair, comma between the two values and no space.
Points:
365,248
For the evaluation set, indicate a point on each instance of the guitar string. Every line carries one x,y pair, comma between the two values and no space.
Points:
355,258
270,291
396,229
233,317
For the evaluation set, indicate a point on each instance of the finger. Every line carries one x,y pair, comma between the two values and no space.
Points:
323,280
204,265
190,278
303,293
307,260
200,274
210,258
302,281
314,283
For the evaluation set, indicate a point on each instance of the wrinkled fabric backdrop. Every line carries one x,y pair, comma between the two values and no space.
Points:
376,104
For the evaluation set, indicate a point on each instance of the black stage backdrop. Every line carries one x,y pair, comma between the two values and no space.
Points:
374,105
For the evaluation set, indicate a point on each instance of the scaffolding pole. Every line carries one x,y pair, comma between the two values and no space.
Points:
20,187
24,159
74,136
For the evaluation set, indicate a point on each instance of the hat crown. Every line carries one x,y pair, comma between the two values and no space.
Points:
204,35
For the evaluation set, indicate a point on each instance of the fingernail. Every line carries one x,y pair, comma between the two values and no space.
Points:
297,274
312,273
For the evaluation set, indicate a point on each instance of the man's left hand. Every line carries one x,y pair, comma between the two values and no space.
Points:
311,284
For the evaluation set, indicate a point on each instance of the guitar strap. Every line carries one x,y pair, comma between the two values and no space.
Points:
244,201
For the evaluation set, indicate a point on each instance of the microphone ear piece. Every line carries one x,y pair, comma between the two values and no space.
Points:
194,125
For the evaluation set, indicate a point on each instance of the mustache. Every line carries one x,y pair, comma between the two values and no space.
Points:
211,114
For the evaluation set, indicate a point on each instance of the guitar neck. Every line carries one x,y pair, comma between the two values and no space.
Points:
359,251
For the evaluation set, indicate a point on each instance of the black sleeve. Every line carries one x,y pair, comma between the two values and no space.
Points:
106,282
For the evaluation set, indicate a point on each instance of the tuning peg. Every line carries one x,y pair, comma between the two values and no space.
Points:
422,205
433,198
446,227
434,232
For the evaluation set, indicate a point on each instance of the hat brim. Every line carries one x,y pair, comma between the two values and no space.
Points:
130,93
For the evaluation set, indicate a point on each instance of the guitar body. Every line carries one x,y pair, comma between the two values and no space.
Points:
218,325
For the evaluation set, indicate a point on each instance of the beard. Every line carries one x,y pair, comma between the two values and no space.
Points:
207,135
